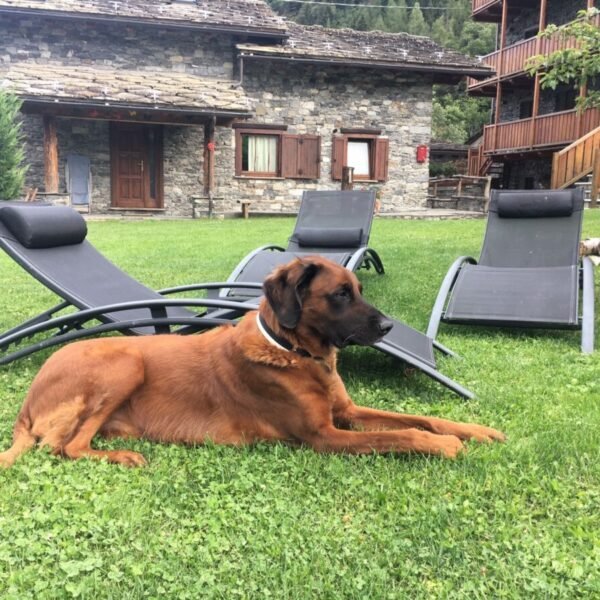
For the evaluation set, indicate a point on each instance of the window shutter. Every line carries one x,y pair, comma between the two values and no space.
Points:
289,155
382,146
301,156
238,153
338,153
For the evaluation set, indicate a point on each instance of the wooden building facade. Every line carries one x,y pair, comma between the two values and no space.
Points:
531,128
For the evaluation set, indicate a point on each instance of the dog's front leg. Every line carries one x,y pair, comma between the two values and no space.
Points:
348,414
330,439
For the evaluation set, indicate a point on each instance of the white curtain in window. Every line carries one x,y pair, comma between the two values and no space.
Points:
358,157
262,154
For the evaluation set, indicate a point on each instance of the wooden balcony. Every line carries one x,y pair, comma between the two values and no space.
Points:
545,132
487,10
512,60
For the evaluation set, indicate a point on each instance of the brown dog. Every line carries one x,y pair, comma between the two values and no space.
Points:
272,377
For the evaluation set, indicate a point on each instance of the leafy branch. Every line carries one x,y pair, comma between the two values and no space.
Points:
578,65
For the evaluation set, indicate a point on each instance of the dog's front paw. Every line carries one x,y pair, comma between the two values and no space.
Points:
450,446
128,458
481,433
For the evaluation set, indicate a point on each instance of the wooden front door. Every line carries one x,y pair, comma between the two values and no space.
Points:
136,166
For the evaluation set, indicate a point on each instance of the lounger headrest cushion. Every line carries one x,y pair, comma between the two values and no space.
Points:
339,237
521,205
44,226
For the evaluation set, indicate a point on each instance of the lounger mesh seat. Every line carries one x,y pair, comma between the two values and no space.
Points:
529,270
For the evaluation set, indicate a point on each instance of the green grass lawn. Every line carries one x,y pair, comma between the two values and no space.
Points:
518,520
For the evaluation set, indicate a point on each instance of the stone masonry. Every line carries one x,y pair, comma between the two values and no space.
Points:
310,100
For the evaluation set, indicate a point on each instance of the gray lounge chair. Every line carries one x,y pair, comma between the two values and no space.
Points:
333,223
529,271
49,243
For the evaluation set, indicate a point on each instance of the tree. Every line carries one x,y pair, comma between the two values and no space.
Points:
12,153
578,66
417,24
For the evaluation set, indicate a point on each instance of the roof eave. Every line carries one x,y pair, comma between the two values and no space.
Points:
272,34
53,101
446,70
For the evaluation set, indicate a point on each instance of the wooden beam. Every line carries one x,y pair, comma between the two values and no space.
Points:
50,155
536,83
595,180
499,71
209,161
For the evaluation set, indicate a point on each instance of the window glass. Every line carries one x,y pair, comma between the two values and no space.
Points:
259,154
359,157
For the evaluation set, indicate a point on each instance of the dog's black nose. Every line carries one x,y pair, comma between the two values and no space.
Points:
385,326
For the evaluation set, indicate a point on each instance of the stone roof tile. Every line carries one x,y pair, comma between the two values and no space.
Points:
365,47
122,88
246,15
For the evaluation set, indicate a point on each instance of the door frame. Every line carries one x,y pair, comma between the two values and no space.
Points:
115,128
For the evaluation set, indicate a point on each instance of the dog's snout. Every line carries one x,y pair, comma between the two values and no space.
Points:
385,326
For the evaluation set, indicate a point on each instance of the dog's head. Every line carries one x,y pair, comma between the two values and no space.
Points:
315,297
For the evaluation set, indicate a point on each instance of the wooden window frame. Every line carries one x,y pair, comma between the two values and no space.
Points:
377,143
242,131
284,140
370,139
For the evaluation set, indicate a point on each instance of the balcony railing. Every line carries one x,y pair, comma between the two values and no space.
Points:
512,60
545,131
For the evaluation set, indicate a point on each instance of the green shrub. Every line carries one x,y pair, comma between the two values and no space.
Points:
12,153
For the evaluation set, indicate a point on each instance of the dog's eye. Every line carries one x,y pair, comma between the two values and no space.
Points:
343,294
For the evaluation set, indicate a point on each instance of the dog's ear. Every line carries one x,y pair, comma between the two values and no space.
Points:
285,290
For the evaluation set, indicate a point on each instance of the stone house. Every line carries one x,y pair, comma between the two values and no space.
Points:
182,106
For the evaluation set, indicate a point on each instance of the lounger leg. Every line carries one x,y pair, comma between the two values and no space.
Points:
373,258
41,318
440,302
587,321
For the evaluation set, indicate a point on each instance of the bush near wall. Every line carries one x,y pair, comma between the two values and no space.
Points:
12,154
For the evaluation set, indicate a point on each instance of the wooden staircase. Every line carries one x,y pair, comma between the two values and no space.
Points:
578,161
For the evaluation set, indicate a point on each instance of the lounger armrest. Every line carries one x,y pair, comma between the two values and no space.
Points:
242,265
445,288
84,316
208,286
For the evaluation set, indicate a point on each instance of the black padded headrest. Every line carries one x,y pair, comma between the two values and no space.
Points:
44,226
339,237
521,205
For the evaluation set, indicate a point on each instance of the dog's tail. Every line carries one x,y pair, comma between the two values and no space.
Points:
23,440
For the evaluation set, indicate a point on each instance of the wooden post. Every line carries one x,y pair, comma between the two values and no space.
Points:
209,161
536,83
347,178
554,181
50,155
595,180
499,74
487,193
583,93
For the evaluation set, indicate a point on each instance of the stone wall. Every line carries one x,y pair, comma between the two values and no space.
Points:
533,173
511,101
311,100
117,45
